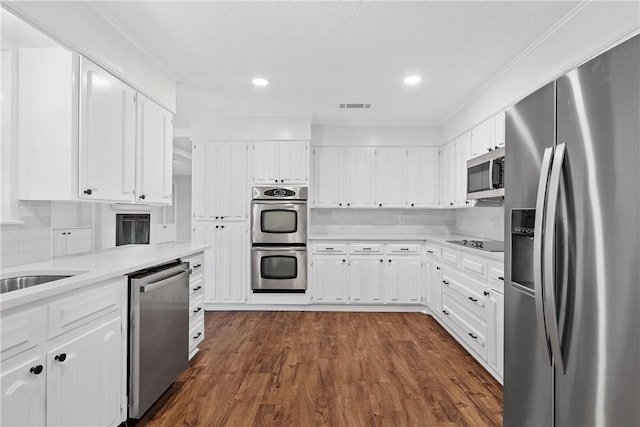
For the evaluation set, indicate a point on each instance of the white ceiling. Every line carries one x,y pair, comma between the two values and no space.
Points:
320,54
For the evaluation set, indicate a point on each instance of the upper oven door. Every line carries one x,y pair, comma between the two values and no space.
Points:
279,223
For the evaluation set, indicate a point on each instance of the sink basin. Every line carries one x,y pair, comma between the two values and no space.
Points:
14,283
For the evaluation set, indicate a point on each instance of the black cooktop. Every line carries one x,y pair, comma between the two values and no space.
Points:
483,245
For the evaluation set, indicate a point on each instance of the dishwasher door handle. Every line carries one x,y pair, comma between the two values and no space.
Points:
164,282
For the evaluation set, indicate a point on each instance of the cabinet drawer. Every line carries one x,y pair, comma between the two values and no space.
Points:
196,263
84,306
450,258
196,284
433,252
196,335
403,248
196,309
468,293
496,276
329,248
21,331
469,328
366,248
474,266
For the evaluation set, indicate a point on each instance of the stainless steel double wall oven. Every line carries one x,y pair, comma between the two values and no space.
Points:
279,239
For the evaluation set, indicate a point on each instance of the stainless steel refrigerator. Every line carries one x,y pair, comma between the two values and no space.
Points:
572,257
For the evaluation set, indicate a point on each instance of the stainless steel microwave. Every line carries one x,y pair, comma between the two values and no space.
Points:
485,176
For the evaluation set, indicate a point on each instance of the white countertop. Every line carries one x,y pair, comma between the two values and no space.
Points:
92,268
440,239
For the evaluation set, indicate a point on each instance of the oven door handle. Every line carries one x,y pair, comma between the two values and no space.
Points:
279,248
164,282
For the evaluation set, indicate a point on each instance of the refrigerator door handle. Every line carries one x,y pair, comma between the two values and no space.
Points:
550,309
543,335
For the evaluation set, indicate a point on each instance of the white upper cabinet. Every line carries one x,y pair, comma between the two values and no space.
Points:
280,162
391,188
422,177
154,152
219,181
488,135
448,174
329,167
463,144
107,136
360,177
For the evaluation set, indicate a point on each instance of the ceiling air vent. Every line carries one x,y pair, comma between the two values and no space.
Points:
355,106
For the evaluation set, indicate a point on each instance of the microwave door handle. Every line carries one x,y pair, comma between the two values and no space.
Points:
490,175
549,256
543,335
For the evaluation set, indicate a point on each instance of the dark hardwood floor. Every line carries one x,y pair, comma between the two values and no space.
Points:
329,369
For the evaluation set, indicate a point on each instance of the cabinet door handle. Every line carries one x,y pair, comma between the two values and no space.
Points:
197,266
381,260
446,313
437,268
197,288
88,191
380,205
197,309
197,335
276,180
411,204
486,293
389,260
473,299
339,204
36,369
222,226
445,282
501,278
475,337
61,357
143,196
344,260
282,180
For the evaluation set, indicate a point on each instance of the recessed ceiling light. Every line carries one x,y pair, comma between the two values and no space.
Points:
412,80
258,81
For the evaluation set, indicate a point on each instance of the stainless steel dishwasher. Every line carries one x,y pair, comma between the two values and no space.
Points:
158,332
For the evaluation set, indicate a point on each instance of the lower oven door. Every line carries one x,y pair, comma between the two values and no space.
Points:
279,269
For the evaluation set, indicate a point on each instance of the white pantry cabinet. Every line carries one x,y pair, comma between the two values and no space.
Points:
219,181
281,162
344,177
154,169
71,241
64,359
226,265
107,136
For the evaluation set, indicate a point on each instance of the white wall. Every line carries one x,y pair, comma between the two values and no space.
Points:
249,128
592,28
350,135
486,222
28,242
183,205
81,27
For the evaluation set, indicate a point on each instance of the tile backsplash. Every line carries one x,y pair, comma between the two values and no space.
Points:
28,242
483,222
425,221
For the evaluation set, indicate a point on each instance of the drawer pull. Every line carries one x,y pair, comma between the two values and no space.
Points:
61,357
473,299
37,370
404,249
366,249
328,249
445,282
445,312
429,251
197,288
197,266
501,278
197,335
197,309
475,337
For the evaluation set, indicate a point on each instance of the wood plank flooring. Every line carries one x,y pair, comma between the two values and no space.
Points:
328,369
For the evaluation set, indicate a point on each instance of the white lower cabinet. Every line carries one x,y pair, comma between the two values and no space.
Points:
72,241
496,331
402,280
73,377
329,279
433,292
84,377
196,302
226,262
366,284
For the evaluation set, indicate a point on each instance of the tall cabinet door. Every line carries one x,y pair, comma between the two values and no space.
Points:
154,152
266,162
433,295
360,177
329,165
447,174
230,253
23,394
422,177
202,180
463,151
230,192
203,233
293,162
84,379
391,177
107,136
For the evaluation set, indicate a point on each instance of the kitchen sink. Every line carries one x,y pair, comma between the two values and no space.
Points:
20,282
